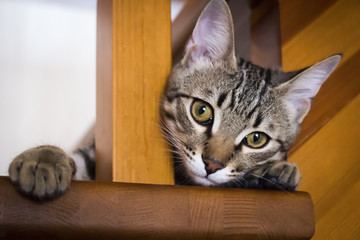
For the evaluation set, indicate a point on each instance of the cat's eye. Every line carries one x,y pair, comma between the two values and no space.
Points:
256,140
201,112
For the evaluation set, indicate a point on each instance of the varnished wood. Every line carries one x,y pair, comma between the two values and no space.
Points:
341,87
329,162
141,61
327,149
337,213
103,127
297,14
334,31
94,210
328,29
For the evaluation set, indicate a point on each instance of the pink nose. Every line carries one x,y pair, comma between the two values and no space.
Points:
211,165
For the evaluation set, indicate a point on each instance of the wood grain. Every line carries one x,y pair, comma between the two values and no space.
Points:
340,89
328,29
95,210
339,217
334,31
298,14
327,149
141,63
329,163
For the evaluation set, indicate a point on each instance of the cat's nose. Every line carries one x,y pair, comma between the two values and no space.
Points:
211,165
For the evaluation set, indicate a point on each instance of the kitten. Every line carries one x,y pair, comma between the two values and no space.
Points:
230,122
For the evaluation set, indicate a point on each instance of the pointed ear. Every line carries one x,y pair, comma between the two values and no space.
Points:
301,89
213,36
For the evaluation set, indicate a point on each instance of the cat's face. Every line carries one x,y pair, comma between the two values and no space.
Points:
225,116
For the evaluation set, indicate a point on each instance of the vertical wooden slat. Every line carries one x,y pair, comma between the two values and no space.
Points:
103,128
141,63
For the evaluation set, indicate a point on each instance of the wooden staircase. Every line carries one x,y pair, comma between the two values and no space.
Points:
327,150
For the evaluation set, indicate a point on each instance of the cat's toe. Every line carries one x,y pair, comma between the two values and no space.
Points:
44,172
289,177
45,184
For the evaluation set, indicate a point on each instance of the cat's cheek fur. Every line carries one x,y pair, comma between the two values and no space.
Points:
221,176
202,181
195,166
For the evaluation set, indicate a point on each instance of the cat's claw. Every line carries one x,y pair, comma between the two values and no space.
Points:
275,174
42,172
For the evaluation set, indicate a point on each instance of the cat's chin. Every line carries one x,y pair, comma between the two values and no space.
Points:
203,181
210,180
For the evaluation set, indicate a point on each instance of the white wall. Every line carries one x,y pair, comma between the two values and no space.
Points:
47,74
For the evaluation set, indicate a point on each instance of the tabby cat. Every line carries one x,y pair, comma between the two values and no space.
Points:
230,122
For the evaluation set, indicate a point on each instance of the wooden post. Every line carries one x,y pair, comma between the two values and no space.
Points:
141,63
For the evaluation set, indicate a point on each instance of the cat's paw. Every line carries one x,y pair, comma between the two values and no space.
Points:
276,174
42,172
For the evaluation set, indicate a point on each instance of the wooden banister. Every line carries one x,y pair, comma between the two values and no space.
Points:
96,210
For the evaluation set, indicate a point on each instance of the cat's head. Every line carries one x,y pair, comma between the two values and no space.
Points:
225,115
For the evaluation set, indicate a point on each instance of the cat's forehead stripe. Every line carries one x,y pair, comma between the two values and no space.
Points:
258,121
221,99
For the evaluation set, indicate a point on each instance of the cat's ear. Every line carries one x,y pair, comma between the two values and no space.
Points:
301,89
213,36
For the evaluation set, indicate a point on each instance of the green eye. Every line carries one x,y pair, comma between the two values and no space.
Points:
201,112
256,140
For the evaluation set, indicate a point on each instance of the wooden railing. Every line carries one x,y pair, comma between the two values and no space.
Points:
95,210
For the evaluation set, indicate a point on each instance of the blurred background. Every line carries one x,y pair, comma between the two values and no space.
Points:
47,74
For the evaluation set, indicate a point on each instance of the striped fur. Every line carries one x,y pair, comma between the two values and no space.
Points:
245,101
244,98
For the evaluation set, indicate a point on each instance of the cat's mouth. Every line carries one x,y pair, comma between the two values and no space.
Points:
204,181
199,173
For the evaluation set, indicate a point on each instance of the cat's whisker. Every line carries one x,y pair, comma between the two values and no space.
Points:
165,129
242,181
178,158
172,141
171,144
188,181
282,189
172,150
171,137
178,168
